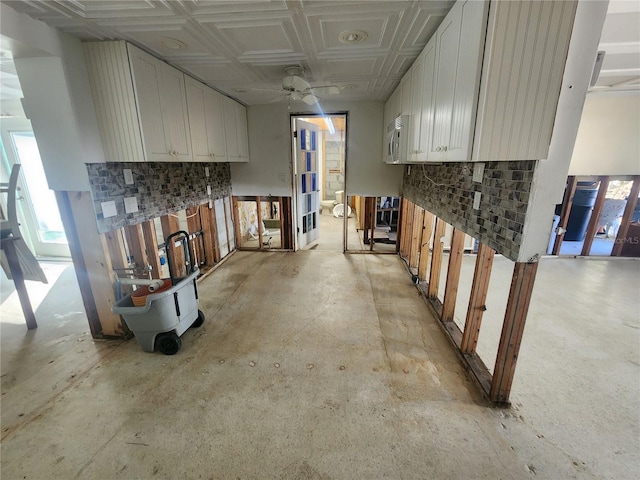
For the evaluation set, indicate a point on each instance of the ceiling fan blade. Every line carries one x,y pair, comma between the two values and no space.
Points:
295,83
310,99
326,90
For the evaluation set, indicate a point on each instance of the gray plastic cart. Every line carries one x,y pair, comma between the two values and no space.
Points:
166,315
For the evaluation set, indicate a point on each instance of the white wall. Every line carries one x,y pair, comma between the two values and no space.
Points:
58,100
608,141
270,151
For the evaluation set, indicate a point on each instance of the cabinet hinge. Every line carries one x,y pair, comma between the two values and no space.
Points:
295,134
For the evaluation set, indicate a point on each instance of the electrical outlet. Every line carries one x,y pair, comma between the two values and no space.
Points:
478,172
128,176
476,200
130,204
109,209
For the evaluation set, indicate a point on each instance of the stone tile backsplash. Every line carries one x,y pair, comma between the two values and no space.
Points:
159,188
447,190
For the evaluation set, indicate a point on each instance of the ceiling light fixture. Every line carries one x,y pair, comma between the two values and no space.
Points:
173,43
352,36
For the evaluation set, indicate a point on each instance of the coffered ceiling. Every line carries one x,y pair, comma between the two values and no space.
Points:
243,47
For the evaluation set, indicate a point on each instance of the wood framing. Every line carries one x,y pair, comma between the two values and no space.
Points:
595,216
151,248
567,202
436,259
416,236
208,235
236,225
372,220
427,232
259,219
136,246
477,298
92,264
171,225
632,201
522,282
194,226
453,275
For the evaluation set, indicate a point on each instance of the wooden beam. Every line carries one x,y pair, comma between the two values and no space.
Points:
436,259
170,224
11,254
477,298
135,242
407,229
92,264
595,216
524,275
632,201
151,248
236,225
427,232
259,216
567,202
399,233
207,235
118,255
453,275
416,236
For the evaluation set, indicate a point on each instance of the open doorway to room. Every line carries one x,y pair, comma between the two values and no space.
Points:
319,167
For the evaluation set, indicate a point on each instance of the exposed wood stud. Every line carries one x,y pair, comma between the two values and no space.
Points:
135,242
632,201
477,298
207,235
259,220
436,259
118,254
399,234
453,275
522,282
151,248
416,236
567,202
372,221
595,216
194,225
236,225
427,232
171,225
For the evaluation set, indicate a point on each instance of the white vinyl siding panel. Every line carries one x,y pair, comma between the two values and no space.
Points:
521,79
114,99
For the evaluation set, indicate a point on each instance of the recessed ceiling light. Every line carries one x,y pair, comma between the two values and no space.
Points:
173,43
352,36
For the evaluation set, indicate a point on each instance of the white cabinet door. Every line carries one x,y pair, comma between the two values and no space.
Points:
235,129
148,91
427,104
174,113
459,41
405,94
162,108
415,119
241,132
215,117
205,121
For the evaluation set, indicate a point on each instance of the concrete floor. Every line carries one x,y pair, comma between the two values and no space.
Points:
317,365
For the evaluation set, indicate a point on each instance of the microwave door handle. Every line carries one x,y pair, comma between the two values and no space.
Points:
393,150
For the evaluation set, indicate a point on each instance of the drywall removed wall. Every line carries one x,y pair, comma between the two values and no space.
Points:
608,141
269,171
158,189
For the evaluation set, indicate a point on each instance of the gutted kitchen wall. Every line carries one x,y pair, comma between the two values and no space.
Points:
447,191
159,188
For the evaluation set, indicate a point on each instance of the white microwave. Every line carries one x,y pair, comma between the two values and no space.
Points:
398,140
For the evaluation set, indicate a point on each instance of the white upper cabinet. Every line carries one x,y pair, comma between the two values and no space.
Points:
162,108
206,119
149,111
235,120
459,46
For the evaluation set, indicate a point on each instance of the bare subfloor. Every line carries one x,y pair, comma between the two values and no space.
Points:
320,365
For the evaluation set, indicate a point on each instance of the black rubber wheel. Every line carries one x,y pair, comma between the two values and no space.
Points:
199,321
168,343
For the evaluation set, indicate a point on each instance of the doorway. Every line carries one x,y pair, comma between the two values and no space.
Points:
38,213
319,167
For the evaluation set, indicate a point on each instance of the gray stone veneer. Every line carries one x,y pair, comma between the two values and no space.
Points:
160,188
447,190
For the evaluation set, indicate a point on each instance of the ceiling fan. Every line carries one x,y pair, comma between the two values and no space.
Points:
295,87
